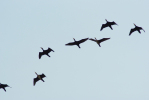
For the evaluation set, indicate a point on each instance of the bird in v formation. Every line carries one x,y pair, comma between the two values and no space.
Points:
76,42
3,86
108,24
45,52
99,41
137,28
39,77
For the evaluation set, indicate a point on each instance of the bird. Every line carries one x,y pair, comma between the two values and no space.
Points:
99,41
3,86
45,52
39,77
137,28
108,24
77,42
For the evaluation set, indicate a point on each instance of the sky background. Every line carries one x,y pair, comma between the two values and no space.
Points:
118,70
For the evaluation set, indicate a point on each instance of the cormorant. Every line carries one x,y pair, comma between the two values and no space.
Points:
45,52
3,86
99,41
136,29
39,77
77,42
108,24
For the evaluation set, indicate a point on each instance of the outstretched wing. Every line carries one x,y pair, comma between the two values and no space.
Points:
103,39
82,40
49,50
35,80
143,29
40,54
113,23
92,39
71,43
42,76
103,26
4,89
131,31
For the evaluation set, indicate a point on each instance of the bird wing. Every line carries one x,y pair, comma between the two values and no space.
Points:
113,23
143,29
4,89
42,76
103,39
40,54
131,31
49,50
82,40
103,26
71,43
92,39
35,80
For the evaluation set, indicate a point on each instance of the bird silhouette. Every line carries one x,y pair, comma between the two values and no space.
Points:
45,52
3,86
39,77
77,42
99,41
136,29
108,24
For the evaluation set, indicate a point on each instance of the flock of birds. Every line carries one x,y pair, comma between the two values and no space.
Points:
46,52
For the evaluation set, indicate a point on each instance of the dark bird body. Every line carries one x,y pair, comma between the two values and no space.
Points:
77,42
39,77
136,29
108,24
99,41
3,86
45,52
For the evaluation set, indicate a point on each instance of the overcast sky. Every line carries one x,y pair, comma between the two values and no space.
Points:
118,70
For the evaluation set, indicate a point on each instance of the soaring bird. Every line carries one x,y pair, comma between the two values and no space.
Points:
77,42
108,24
45,52
137,28
39,77
3,86
99,41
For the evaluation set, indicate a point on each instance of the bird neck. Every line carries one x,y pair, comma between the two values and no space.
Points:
36,73
74,39
42,48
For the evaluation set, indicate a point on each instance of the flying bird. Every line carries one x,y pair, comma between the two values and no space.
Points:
99,41
108,24
3,86
39,77
45,52
137,28
77,42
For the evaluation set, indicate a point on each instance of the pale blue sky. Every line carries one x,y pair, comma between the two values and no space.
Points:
118,70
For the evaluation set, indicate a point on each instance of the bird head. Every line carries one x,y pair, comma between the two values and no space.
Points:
95,38
134,24
115,23
9,86
106,20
